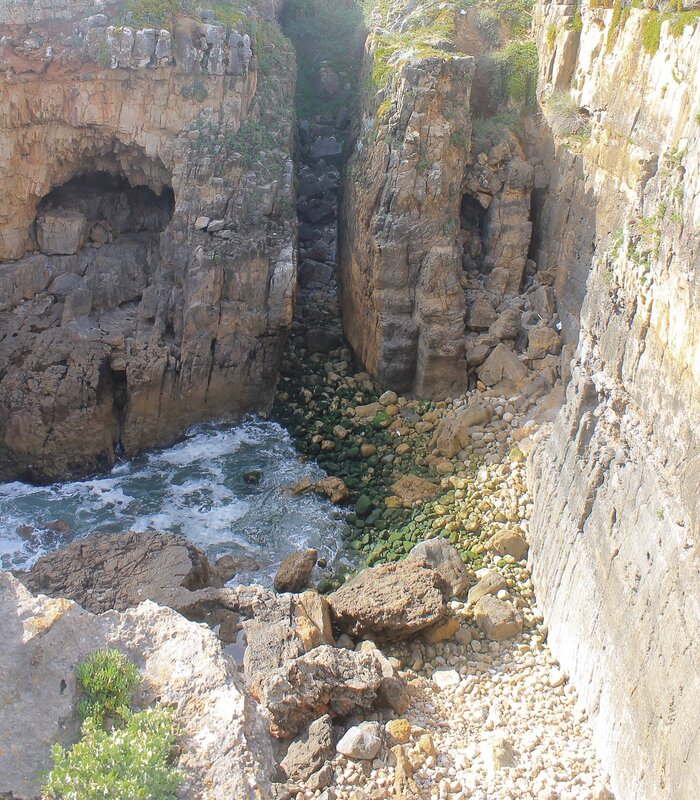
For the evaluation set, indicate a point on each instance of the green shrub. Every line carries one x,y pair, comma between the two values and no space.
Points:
551,36
519,63
152,13
651,31
614,24
109,679
129,763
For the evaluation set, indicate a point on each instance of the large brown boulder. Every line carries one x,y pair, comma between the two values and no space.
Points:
119,571
295,571
444,558
391,601
327,680
454,433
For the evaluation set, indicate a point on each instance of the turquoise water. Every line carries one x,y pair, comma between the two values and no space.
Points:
195,488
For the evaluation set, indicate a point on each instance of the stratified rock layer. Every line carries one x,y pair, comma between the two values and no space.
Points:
615,530
400,262
116,336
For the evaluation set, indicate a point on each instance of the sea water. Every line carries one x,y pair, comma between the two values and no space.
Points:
196,488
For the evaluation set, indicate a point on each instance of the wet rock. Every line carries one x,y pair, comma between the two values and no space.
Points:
334,489
295,571
360,742
228,567
253,478
496,619
454,432
390,601
118,571
302,486
445,559
327,680
310,750
508,542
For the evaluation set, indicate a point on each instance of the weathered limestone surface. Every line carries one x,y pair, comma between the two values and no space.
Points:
182,664
615,531
137,332
400,262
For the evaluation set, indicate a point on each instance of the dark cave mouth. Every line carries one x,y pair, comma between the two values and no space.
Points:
95,208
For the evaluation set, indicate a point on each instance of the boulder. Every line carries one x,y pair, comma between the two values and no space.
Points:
310,750
319,340
62,232
334,489
441,556
223,747
507,326
503,371
361,741
481,314
328,149
489,584
327,680
508,542
497,619
542,341
412,489
295,571
228,567
390,601
119,571
453,433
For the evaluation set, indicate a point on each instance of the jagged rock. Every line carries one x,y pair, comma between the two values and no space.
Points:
497,619
390,601
508,542
181,663
295,571
541,341
361,741
489,584
133,353
313,620
442,631
334,489
481,314
327,680
542,302
453,432
503,371
61,232
411,489
405,788
444,558
310,750
118,571
507,326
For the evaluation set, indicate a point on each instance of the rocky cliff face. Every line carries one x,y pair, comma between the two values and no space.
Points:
614,536
148,242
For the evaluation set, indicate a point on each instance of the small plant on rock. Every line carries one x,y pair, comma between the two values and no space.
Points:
109,679
564,115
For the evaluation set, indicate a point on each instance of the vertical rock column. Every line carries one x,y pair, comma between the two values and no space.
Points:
400,262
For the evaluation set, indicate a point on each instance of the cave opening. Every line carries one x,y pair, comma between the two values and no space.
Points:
96,208
472,215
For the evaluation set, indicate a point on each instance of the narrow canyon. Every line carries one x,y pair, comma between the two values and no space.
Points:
350,397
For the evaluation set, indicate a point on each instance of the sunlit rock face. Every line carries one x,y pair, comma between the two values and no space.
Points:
400,261
614,536
147,241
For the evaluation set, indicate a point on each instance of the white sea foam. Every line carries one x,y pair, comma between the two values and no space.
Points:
196,488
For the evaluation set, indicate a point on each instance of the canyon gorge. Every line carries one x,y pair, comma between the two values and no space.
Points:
450,252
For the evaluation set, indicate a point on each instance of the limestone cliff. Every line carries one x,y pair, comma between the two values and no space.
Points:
147,233
614,536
